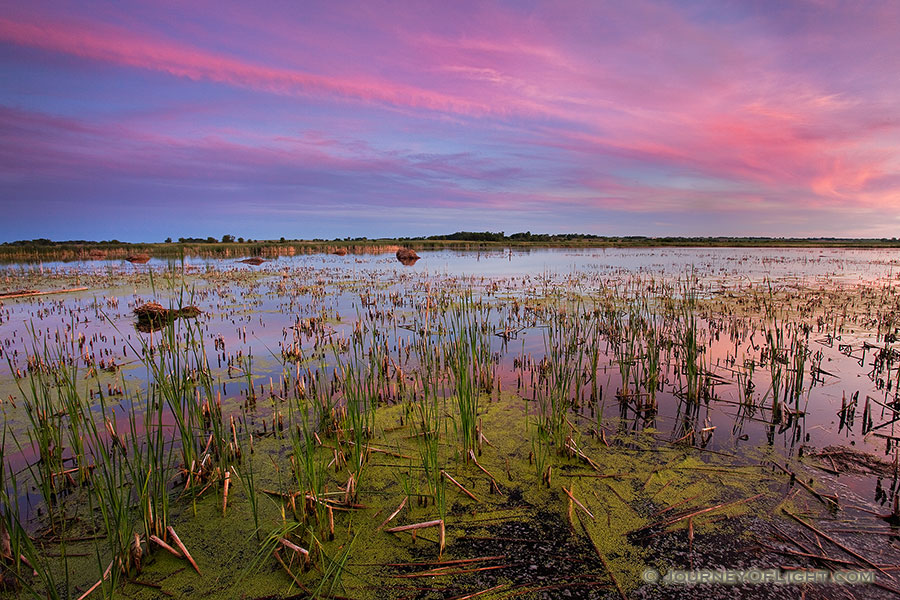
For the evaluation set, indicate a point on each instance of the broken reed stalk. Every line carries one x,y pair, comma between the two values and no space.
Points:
460,486
330,521
570,445
789,552
183,549
826,499
852,553
579,504
483,470
303,553
447,563
392,515
289,572
225,492
667,522
603,560
26,293
166,547
441,572
677,504
91,589
424,525
476,594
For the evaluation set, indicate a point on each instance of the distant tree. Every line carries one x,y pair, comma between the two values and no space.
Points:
227,239
168,240
282,240
211,240
241,240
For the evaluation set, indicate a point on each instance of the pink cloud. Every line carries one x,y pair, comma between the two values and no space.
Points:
631,107
121,47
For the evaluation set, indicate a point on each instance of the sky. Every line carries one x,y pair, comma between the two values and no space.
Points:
140,121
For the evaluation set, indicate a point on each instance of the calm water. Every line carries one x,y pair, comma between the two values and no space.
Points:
251,311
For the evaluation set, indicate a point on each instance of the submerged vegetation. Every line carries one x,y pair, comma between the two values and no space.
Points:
331,431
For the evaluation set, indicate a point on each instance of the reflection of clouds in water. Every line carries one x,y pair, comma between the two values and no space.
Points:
250,310
725,265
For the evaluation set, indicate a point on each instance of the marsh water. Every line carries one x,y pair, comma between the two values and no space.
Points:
251,313
791,352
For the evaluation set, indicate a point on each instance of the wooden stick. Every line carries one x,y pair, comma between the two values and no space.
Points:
460,486
181,547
